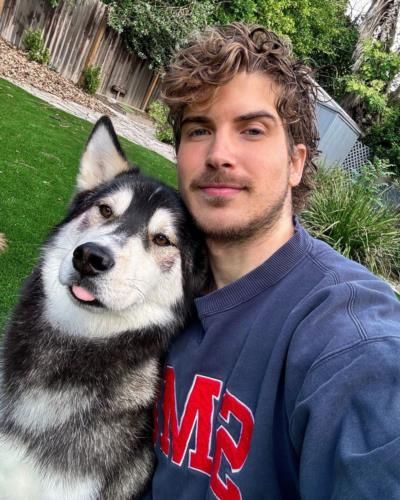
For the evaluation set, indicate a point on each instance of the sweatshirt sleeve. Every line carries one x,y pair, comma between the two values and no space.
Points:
345,423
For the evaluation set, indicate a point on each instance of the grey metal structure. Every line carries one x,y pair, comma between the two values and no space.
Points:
359,155
338,134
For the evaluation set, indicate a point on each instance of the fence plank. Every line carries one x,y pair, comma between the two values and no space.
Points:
77,36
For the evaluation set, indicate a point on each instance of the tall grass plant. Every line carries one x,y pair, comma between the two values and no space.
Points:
349,212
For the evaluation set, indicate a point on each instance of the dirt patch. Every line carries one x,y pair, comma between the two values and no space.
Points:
15,65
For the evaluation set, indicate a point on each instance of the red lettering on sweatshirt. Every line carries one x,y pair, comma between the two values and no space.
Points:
198,419
197,414
235,453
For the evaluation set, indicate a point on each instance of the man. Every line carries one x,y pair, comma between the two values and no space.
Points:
287,384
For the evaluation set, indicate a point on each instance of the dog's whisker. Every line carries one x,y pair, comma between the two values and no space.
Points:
59,247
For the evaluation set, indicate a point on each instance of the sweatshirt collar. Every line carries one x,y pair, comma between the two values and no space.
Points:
259,279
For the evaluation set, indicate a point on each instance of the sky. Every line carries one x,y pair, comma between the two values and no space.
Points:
357,7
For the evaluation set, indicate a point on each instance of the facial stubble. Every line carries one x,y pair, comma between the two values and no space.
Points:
248,230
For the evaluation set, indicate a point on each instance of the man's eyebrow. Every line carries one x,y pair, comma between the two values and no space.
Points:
256,114
241,118
195,119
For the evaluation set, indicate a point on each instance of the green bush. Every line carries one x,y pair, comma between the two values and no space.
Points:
91,79
384,139
158,112
34,45
349,212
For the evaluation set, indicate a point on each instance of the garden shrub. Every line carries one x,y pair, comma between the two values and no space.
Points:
158,112
34,45
383,138
376,107
349,212
91,79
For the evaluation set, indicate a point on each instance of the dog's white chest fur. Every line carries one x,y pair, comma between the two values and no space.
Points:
20,479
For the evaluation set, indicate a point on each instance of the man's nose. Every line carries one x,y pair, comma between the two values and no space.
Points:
221,151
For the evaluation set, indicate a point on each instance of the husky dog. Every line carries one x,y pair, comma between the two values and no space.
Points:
80,360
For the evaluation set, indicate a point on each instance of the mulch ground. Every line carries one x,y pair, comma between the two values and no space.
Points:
15,65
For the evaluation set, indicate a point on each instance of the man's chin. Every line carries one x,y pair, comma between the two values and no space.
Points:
218,230
233,234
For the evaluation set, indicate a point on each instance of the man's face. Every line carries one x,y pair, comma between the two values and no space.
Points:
234,168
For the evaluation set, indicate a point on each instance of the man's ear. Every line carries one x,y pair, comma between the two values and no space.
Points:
297,160
103,157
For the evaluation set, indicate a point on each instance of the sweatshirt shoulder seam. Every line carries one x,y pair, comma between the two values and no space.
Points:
363,341
325,269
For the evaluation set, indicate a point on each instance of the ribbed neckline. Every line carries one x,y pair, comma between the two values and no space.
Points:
261,278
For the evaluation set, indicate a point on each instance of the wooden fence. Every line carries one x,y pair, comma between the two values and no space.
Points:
77,35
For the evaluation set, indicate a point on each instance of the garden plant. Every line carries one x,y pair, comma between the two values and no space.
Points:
350,212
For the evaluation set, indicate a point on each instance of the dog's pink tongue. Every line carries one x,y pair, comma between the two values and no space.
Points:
82,293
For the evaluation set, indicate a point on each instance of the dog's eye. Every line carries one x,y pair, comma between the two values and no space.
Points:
105,211
161,240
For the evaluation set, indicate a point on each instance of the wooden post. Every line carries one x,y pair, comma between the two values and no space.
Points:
2,2
91,57
150,90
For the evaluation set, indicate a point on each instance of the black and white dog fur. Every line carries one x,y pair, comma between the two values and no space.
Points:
80,357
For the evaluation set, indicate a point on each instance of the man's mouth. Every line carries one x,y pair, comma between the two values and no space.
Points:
221,190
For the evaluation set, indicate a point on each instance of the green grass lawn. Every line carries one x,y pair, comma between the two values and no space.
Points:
40,147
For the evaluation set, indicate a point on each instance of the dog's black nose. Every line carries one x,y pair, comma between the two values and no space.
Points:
91,259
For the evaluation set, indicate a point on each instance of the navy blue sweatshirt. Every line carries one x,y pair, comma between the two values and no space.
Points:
287,386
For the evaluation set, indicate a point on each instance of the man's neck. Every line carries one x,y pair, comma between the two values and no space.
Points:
231,260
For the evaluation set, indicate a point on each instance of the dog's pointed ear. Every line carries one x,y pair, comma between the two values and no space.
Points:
103,157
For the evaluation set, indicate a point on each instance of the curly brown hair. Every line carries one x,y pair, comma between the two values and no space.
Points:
212,58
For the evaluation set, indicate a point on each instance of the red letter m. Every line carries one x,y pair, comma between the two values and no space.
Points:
198,413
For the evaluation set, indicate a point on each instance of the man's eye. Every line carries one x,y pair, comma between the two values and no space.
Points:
197,132
161,240
105,211
253,131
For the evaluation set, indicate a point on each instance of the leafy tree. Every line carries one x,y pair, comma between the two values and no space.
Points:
371,103
372,99
384,140
330,67
312,25
368,87
379,23
320,31
153,28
